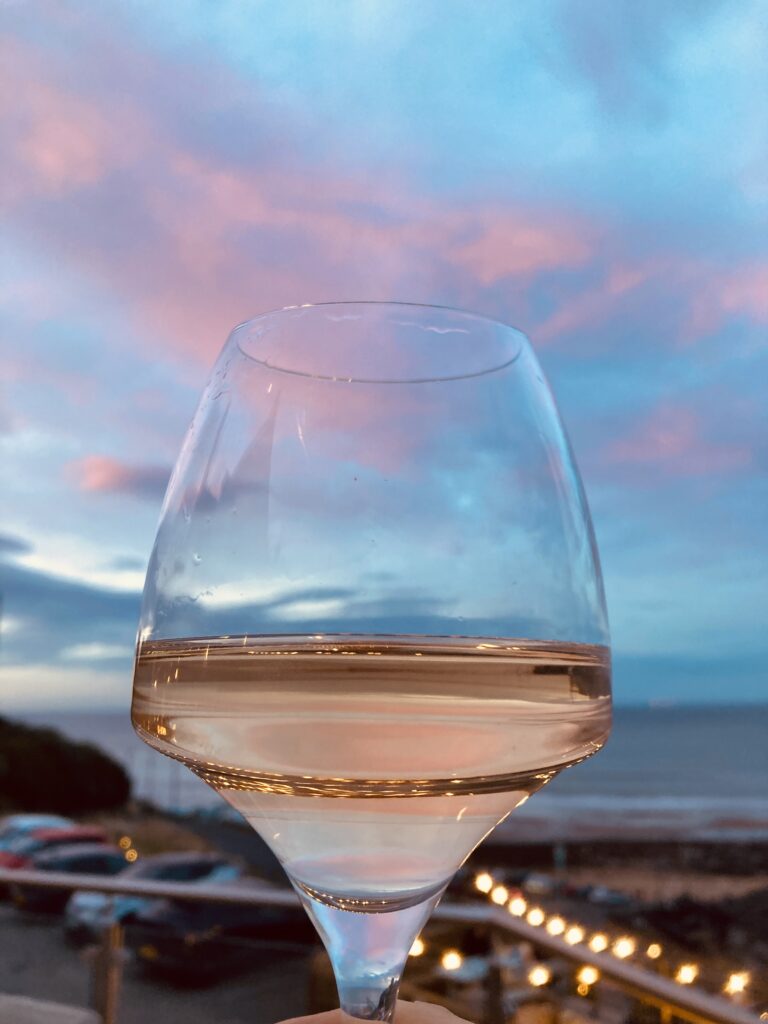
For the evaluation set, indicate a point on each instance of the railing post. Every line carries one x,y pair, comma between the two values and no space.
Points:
107,974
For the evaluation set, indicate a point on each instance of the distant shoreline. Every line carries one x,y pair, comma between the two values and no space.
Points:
666,775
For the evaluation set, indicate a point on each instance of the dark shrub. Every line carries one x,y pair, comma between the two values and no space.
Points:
40,770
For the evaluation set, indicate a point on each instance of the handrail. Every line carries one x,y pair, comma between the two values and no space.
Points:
260,894
688,1003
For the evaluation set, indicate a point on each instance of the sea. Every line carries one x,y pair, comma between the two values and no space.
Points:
671,773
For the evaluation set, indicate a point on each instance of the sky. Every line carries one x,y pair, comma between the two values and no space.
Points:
593,173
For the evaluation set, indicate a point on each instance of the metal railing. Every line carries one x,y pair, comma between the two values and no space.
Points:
674,1000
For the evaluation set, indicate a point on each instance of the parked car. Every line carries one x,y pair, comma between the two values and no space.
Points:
606,897
88,913
79,858
20,852
15,826
204,942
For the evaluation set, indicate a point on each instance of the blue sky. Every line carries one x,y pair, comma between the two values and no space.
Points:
592,173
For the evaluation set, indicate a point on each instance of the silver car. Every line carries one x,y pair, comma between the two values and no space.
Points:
87,914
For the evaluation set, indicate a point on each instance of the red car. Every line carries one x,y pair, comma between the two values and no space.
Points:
20,853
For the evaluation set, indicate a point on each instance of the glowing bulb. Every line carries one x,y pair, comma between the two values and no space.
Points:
737,983
555,926
483,882
417,948
517,906
131,855
574,934
125,842
500,894
598,942
623,947
539,975
588,975
535,916
687,974
654,951
451,960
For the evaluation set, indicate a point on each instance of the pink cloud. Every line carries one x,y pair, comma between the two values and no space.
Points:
56,141
702,298
105,475
742,292
594,305
204,242
507,245
672,441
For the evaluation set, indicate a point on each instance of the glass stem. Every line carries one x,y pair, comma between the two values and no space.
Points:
368,952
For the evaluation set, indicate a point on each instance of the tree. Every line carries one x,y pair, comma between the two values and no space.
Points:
40,770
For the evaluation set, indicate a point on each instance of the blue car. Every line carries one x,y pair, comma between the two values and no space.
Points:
92,859
88,913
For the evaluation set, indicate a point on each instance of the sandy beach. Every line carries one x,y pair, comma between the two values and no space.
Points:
650,885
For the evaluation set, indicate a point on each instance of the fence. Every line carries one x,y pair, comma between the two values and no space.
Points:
672,999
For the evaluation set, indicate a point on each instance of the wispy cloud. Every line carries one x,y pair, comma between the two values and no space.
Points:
672,441
102,474
10,546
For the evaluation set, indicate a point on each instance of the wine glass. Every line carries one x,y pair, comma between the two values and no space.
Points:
373,618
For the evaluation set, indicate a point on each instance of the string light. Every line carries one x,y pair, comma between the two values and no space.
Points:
623,947
451,960
687,974
125,842
500,894
417,948
483,882
131,855
588,975
539,975
737,983
535,916
517,906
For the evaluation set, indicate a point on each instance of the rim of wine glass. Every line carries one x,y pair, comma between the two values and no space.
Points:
385,303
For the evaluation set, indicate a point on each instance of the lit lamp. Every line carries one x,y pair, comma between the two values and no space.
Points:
737,983
517,906
535,916
687,974
539,975
451,960
500,894
654,951
483,882
598,943
555,926
586,976
417,948
623,947
574,934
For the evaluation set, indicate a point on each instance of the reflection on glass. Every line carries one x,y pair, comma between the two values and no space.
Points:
373,617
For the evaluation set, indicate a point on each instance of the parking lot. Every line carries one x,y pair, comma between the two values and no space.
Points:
35,961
